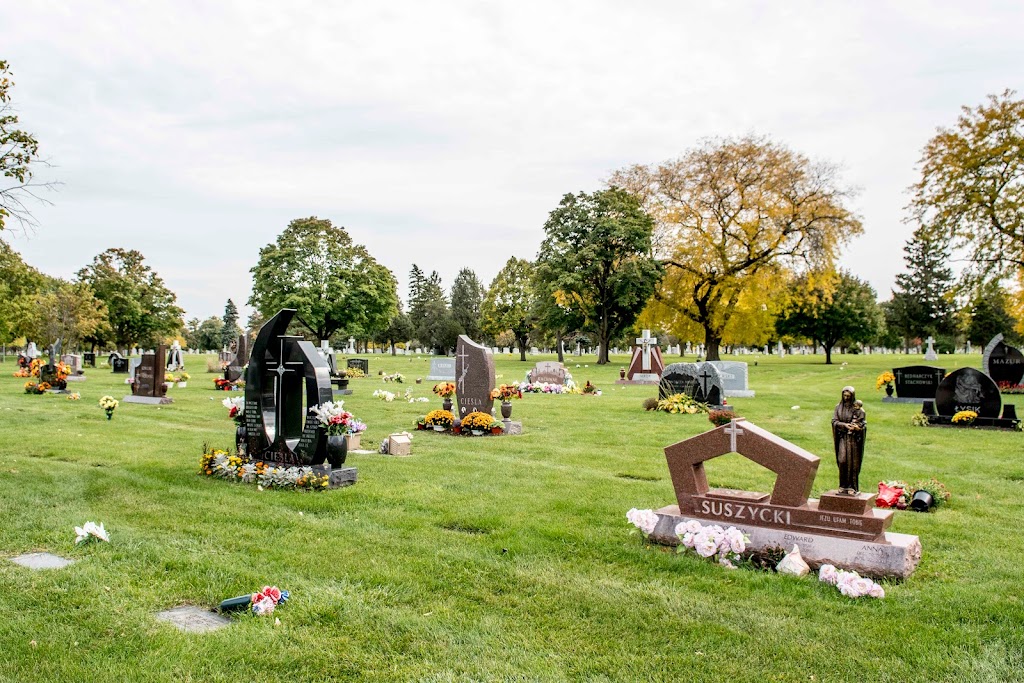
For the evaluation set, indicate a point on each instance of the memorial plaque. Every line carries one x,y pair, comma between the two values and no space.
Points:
1003,363
284,372
474,377
734,378
968,389
917,381
361,363
700,381
442,368
551,372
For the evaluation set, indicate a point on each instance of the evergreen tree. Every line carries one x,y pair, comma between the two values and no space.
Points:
989,315
921,302
429,316
231,330
467,295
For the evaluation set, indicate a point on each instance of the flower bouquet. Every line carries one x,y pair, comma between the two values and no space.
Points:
964,418
33,388
109,404
681,403
590,390
397,378
336,421
850,584
721,417
712,541
445,389
884,380
91,532
507,392
477,423
236,408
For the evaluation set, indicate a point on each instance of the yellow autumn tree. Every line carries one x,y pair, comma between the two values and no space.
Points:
736,218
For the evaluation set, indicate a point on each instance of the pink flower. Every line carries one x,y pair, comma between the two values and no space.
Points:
263,607
828,574
272,592
876,591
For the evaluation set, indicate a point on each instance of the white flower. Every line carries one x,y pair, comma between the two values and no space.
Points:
691,526
828,574
795,408
91,529
263,607
234,402
644,520
876,591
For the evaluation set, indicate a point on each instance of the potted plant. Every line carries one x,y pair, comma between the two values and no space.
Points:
928,494
885,380
477,422
506,392
721,417
169,381
445,390
965,418
440,420
183,380
496,427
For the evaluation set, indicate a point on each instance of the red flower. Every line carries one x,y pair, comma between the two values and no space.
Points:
272,592
233,412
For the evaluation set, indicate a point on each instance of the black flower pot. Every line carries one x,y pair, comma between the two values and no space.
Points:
337,450
888,390
922,501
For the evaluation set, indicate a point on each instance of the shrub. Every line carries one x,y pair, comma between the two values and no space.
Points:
721,417
650,404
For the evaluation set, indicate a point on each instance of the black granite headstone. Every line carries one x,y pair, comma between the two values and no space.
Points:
968,389
89,358
361,363
700,381
1005,364
917,381
118,363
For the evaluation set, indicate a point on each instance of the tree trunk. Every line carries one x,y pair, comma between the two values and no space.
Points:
712,340
558,343
393,352
828,354
522,347
602,352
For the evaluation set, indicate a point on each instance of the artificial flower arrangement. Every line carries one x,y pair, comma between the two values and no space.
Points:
506,392
898,494
222,384
397,378
541,388
681,403
386,396
218,463
445,389
335,420
91,531
184,377
439,418
964,417
590,390
1004,387
170,378
236,408
75,396
884,380
919,420
266,600
850,584
36,389
22,372
109,404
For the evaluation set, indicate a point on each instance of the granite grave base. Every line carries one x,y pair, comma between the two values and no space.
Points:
897,399
896,558
192,619
740,393
341,392
41,561
148,400
75,378
979,423
653,382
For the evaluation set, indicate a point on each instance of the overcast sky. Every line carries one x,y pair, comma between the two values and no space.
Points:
442,133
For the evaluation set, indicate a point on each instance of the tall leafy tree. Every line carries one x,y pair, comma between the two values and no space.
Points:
231,329
60,310
508,303
972,186
988,314
736,217
333,283
922,300
17,279
19,154
843,311
467,296
140,307
429,316
399,329
597,261
209,334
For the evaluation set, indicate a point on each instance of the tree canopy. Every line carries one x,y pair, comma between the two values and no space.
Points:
972,186
922,301
467,296
734,218
19,152
596,262
508,304
334,284
140,307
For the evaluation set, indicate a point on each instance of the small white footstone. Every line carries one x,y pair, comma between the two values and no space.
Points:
42,561
192,619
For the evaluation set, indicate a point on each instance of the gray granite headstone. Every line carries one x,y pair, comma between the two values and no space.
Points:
442,368
192,619
734,378
700,381
474,377
549,371
41,561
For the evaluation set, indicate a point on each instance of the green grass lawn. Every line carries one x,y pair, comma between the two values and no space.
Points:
490,558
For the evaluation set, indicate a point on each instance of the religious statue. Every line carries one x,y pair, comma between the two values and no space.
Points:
174,358
849,429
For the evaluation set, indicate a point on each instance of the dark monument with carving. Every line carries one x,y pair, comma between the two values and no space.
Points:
149,379
847,531
283,370
700,381
548,371
118,363
915,383
361,363
236,366
474,377
970,389
1003,363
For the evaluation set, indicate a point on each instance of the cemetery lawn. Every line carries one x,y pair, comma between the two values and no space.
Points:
492,558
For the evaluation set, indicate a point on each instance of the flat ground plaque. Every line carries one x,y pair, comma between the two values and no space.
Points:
42,561
192,619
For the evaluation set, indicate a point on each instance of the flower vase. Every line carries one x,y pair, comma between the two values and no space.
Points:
506,409
922,501
447,404
622,373
110,413
240,438
888,390
337,449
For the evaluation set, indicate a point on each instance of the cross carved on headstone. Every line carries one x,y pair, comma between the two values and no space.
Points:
733,430
704,385
281,370
645,342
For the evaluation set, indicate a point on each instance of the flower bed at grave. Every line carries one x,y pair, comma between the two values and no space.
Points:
353,372
964,417
219,463
681,403
543,388
222,384
37,389
897,493
1008,388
